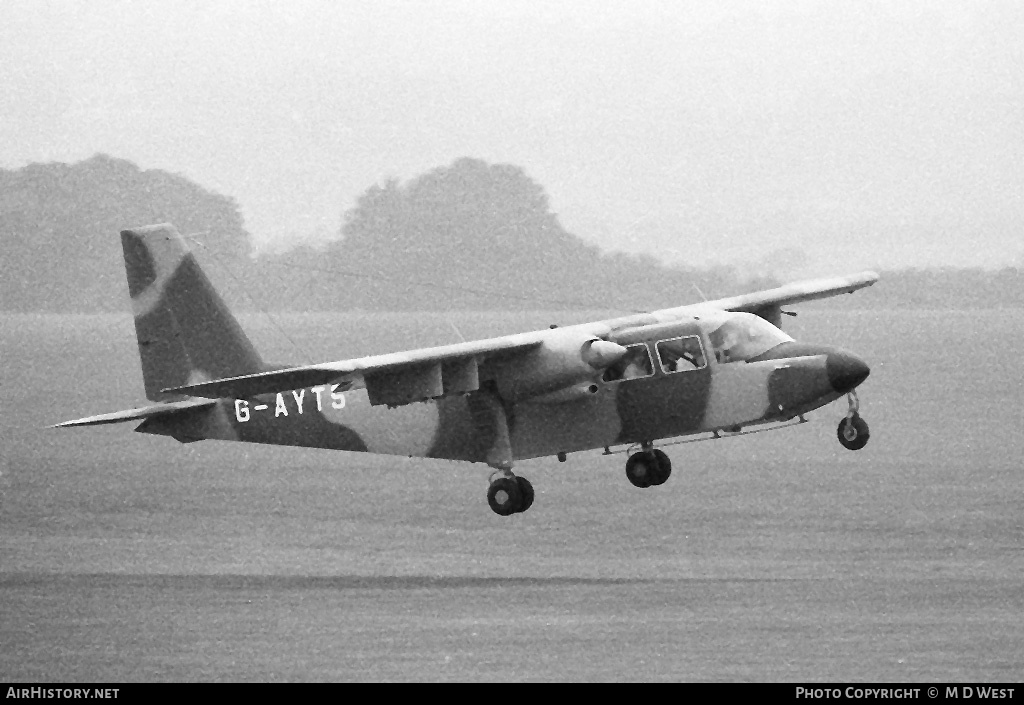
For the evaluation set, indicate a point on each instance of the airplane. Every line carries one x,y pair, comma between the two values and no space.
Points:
706,370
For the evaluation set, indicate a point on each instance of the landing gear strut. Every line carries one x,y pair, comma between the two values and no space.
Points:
507,493
853,431
649,467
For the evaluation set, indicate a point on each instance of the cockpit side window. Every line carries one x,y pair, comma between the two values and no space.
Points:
744,336
634,364
681,354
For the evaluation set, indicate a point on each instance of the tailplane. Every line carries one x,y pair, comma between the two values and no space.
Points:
185,331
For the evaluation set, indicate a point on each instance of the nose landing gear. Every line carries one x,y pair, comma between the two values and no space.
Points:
649,467
853,431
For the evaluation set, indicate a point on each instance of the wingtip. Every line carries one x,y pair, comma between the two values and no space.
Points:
72,423
68,424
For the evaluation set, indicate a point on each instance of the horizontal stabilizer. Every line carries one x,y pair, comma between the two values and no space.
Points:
136,414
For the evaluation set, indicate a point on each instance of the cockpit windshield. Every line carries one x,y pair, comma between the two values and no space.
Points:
744,336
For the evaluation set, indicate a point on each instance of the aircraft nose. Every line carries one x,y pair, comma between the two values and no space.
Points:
845,370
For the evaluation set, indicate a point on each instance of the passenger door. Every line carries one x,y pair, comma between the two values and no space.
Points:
672,400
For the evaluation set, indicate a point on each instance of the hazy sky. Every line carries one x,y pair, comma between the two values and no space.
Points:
800,136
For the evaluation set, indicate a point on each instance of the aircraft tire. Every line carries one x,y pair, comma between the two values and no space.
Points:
639,470
663,465
525,493
504,496
853,433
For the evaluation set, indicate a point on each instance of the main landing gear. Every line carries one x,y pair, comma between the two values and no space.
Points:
649,467
853,431
509,494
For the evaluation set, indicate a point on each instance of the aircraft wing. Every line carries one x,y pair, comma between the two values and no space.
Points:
136,414
761,301
394,378
523,365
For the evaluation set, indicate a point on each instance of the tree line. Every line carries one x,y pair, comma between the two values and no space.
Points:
470,235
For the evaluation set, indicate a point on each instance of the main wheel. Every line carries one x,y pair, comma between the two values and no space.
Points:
662,467
641,469
525,493
853,432
504,496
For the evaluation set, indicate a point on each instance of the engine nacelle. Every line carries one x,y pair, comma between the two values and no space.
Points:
563,359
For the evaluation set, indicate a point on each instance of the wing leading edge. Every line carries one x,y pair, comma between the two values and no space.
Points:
393,378
795,293
768,303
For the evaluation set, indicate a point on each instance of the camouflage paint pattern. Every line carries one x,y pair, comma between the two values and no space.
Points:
185,331
186,334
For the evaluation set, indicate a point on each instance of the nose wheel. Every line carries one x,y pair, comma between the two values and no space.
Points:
853,431
648,468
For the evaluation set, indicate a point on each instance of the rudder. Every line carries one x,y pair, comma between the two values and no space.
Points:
185,331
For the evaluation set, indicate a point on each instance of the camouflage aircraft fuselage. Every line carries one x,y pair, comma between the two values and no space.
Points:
593,414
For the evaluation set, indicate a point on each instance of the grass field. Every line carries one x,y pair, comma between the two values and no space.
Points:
776,556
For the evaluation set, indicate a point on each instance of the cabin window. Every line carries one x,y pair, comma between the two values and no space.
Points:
744,336
681,354
634,364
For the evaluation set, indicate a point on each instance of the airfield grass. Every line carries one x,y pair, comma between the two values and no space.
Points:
776,556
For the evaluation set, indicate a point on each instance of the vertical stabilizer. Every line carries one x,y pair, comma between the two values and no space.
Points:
185,331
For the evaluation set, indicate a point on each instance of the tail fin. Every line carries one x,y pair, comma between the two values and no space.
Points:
185,331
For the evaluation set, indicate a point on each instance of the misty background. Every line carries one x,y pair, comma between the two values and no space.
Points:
445,154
